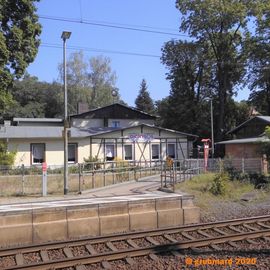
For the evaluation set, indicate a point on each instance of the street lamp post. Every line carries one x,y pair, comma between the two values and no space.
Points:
212,128
65,35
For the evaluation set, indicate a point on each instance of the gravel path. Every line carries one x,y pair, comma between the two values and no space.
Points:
222,210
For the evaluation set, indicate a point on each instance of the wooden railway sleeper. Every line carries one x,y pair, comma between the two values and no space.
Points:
171,239
111,246
152,241
80,267
186,235
130,261
250,227
132,243
90,249
44,255
204,233
251,241
153,257
215,247
232,244
19,259
220,231
106,265
67,251
231,227
263,225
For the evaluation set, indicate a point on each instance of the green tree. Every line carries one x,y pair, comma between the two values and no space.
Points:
103,80
89,81
36,99
221,27
259,64
143,101
19,41
185,108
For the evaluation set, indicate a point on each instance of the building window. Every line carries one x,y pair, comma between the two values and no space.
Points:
72,153
128,153
115,124
110,152
37,153
171,150
155,151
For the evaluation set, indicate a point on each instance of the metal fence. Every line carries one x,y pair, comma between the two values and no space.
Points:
20,181
182,170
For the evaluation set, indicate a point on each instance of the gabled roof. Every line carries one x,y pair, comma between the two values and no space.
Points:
115,111
265,119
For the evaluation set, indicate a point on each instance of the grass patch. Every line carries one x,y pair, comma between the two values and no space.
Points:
202,187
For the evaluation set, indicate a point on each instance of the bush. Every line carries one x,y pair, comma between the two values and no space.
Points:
259,180
92,163
218,186
6,158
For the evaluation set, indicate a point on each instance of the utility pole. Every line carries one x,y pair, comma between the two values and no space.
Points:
65,35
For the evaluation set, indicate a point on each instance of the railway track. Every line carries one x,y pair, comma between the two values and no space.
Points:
75,254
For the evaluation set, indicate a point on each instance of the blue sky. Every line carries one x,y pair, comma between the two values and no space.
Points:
130,70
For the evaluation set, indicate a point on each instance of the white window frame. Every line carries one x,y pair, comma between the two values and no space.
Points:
33,155
174,146
132,152
108,156
158,148
75,152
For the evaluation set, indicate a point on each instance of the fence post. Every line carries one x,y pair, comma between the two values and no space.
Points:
23,174
243,165
80,178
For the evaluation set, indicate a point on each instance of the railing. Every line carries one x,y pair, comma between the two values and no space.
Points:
182,170
22,180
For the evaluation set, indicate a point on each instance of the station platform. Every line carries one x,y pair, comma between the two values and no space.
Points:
121,208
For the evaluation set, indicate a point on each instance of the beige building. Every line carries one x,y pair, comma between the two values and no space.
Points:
114,131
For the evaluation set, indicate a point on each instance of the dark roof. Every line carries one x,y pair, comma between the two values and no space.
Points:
265,119
115,111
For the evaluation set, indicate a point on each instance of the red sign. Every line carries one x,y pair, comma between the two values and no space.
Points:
44,166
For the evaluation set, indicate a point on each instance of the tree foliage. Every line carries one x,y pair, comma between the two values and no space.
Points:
19,41
143,101
185,108
259,62
89,81
33,98
221,29
6,158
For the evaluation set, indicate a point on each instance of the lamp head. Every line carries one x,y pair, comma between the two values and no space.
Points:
65,35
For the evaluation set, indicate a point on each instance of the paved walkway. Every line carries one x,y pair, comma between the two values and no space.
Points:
147,185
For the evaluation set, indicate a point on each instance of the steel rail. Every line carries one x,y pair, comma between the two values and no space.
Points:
9,251
143,251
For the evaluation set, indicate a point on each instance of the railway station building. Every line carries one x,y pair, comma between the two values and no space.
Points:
106,133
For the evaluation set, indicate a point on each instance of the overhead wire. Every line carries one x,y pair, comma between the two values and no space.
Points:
146,29
58,46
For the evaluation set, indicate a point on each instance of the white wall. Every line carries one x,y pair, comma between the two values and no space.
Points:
87,123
